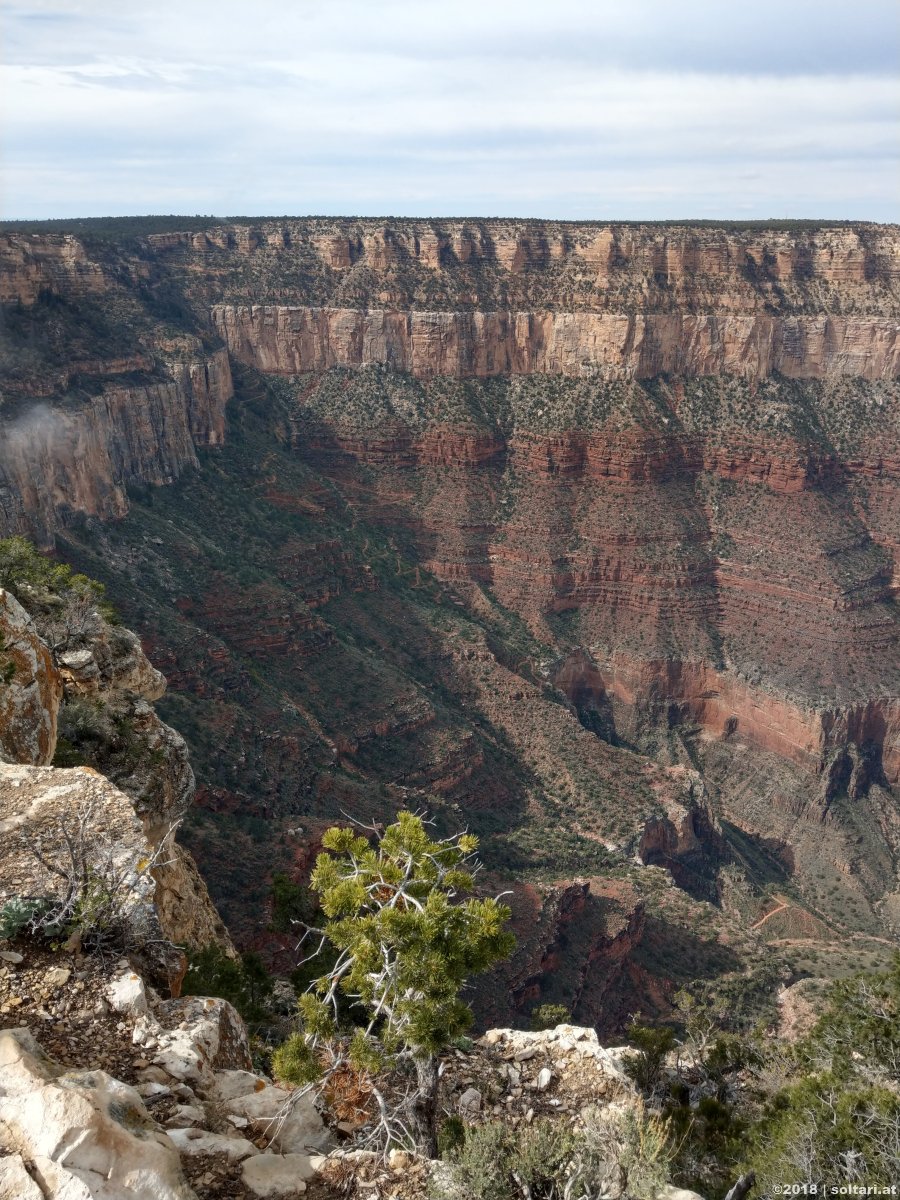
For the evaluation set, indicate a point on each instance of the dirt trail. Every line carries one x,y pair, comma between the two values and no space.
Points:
780,907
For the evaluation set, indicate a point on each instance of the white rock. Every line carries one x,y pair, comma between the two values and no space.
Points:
228,1085
469,1102
288,1119
12,956
544,1079
675,1193
88,1136
614,1059
126,994
15,1182
209,1036
277,1174
186,1114
192,1142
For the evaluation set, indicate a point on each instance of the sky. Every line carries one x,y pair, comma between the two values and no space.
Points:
580,109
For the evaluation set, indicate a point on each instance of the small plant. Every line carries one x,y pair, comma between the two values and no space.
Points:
647,1152
93,888
17,914
653,1044
451,1136
548,1016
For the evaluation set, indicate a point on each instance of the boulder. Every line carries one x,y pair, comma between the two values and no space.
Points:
208,1036
277,1174
228,1085
192,1142
288,1119
86,1135
126,993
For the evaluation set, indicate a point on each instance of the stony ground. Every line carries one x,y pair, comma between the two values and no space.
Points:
64,1000
59,997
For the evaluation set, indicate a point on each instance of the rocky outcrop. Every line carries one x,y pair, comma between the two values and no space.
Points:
83,1134
104,678
30,688
34,262
81,457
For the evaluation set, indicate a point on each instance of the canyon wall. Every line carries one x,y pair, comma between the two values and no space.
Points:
670,453
58,460
291,341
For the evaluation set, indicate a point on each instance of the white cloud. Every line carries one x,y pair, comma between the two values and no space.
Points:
351,106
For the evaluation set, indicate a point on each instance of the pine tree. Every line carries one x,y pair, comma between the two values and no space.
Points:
406,942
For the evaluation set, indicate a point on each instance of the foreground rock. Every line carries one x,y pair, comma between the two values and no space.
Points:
83,1134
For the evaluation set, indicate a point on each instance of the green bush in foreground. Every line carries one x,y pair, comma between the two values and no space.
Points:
617,1153
406,942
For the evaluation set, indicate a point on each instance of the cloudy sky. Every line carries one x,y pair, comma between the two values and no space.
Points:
565,108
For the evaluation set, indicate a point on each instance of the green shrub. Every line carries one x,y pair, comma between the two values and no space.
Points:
243,981
16,915
451,1136
839,1117
653,1044
548,1016
58,598
408,937
23,569
547,1160
67,755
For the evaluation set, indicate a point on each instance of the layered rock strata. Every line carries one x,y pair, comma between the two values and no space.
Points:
290,341
58,461
672,452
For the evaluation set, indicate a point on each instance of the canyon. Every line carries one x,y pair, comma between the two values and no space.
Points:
587,536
